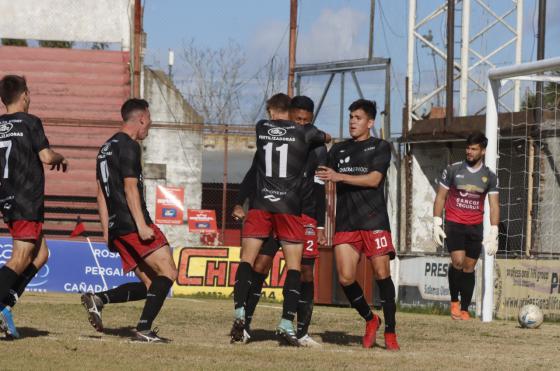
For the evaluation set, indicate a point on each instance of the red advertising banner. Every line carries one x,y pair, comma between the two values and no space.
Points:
170,205
202,221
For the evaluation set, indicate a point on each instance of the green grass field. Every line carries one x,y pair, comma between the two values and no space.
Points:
57,335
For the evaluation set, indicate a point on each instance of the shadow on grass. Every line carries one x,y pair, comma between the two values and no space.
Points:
125,332
339,338
263,335
29,332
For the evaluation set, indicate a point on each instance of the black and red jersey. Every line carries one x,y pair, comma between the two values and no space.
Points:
361,208
22,178
120,158
467,191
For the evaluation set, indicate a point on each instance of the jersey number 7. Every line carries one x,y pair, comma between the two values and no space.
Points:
8,145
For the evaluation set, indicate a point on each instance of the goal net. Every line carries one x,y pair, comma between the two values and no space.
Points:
524,150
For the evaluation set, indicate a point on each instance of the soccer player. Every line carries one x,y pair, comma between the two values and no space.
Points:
359,166
24,149
313,217
462,190
282,147
127,225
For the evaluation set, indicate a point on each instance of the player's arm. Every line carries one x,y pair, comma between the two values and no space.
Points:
370,180
438,234
491,240
135,207
103,212
246,188
439,202
50,157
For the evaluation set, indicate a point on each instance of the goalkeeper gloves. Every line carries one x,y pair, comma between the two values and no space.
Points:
438,233
491,241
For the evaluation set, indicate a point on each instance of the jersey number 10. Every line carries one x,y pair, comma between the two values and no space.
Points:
283,149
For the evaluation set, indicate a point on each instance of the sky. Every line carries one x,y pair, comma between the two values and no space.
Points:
330,30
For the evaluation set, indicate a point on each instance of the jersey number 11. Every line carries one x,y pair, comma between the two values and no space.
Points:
283,149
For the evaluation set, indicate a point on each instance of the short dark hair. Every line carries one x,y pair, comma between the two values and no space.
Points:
368,106
477,138
280,102
11,87
302,102
131,105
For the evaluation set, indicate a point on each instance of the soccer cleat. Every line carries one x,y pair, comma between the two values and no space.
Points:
465,316
246,336
7,324
238,328
308,342
286,333
372,326
391,341
149,336
93,307
455,309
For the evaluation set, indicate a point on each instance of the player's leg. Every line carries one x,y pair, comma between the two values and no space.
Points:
164,274
473,248
261,267
305,303
292,255
455,242
382,275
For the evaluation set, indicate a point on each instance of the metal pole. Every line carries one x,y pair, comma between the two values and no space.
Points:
371,28
410,60
387,123
540,55
450,61
465,35
518,56
292,52
490,161
322,99
225,182
137,47
341,129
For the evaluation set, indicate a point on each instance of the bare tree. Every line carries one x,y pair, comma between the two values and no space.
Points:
213,80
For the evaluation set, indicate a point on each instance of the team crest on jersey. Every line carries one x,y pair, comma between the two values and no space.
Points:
485,179
277,132
309,230
344,160
6,127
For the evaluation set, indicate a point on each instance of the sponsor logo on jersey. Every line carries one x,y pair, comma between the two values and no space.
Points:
6,127
369,149
344,160
272,198
277,132
460,176
309,230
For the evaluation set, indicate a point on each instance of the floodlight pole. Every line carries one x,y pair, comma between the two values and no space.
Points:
292,52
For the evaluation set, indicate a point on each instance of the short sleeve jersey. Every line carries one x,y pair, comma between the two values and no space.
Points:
361,208
314,188
467,192
119,158
22,178
282,149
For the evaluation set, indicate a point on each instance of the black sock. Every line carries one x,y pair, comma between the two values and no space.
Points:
467,289
455,277
242,284
291,294
131,291
7,280
254,296
154,301
19,286
305,308
357,300
387,294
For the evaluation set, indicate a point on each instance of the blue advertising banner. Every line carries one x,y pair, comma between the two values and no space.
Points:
72,267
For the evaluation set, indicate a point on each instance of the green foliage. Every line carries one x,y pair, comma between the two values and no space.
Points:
14,42
56,44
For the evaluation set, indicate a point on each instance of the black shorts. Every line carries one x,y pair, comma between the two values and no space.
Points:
464,237
271,246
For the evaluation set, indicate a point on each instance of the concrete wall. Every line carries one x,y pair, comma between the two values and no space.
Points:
177,150
68,20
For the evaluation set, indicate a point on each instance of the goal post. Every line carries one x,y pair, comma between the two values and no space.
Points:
531,71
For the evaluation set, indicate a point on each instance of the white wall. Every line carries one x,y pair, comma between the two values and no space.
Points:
68,20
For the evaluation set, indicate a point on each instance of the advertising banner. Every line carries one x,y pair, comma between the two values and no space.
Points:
169,205
423,280
202,221
526,281
211,271
72,268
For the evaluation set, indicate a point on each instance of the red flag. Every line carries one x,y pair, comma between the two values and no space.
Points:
79,229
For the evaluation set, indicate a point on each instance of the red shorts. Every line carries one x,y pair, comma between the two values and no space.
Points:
261,223
310,248
371,243
25,229
132,249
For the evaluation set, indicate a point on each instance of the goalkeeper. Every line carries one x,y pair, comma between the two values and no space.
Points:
462,189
